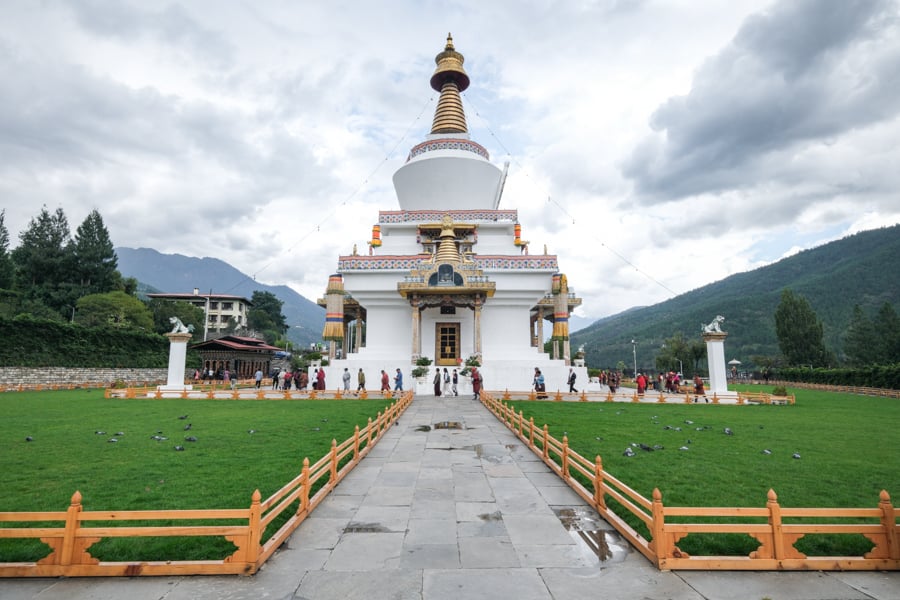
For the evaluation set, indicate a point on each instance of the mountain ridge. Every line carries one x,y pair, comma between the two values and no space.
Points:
177,273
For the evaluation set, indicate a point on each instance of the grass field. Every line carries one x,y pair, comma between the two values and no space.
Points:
221,469
847,446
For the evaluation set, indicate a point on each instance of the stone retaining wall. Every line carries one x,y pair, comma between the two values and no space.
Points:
31,376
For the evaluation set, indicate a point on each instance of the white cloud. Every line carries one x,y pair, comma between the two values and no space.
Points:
654,147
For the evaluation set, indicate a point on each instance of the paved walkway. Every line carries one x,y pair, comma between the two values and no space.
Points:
437,512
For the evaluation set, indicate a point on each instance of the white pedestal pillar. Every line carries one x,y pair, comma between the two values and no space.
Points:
715,356
177,359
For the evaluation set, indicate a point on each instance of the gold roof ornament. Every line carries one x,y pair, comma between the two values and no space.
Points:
449,79
447,250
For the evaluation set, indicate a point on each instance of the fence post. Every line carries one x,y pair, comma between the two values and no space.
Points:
889,523
378,424
775,524
304,483
369,432
658,528
531,432
254,534
565,458
521,424
546,451
332,478
68,545
599,500
356,443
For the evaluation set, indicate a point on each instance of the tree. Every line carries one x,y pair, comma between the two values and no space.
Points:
266,317
116,309
95,261
7,272
43,261
674,354
861,345
799,331
163,310
887,326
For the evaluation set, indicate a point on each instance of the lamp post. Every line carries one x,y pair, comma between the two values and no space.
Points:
634,355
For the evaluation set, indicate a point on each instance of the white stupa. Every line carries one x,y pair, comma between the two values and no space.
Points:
448,276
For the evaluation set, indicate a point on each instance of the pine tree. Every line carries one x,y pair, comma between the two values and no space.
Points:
799,331
7,272
43,262
887,327
95,259
861,345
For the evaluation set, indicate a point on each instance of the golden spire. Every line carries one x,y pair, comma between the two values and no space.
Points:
449,79
447,251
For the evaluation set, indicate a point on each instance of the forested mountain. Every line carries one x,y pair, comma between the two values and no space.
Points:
859,269
175,273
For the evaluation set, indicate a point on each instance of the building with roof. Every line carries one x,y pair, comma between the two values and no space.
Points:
448,276
241,356
219,309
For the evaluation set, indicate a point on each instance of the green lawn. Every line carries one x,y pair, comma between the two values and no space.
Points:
221,469
847,446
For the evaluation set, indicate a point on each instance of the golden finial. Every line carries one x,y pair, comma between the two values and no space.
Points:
449,79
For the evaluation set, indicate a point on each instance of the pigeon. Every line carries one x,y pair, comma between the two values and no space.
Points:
190,438
158,438
316,428
179,448
678,429
251,431
28,438
658,447
324,420
728,431
698,429
688,422
795,455
187,427
112,440
684,448
628,452
667,427
98,432
599,439
767,451
183,417
646,448
688,442
119,433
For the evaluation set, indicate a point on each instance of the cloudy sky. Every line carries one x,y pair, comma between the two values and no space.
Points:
655,146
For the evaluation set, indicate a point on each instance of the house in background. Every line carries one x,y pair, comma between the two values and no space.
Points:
218,308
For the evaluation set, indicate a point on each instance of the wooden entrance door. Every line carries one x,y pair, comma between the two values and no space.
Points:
446,339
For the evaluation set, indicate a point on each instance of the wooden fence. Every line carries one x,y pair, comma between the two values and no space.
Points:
630,395
242,390
79,529
776,537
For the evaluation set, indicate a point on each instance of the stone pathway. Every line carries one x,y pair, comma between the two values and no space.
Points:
450,505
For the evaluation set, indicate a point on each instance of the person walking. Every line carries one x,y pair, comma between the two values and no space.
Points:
571,382
361,381
385,382
476,384
320,379
346,379
258,377
398,381
455,380
437,382
446,382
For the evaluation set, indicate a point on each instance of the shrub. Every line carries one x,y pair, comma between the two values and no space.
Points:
779,390
419,371
423,361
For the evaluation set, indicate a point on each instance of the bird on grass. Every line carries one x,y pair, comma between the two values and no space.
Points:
251,431
112,440
28,438
795,455
684,448
98,432
119,433
183,417
190,438
767,451
179,448
628,452
187,427
728,431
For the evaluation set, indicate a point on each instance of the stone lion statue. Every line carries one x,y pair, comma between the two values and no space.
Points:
179,327
715,326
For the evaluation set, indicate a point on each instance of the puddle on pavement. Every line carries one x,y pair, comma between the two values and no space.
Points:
366,528
592,534
448,425
491,517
